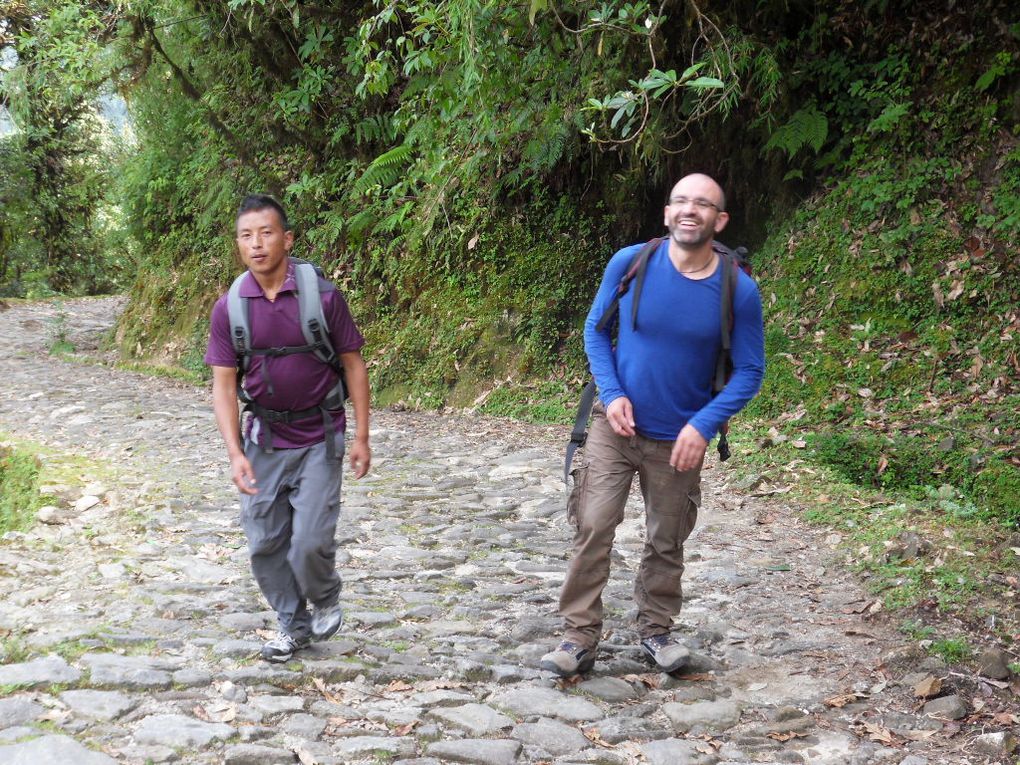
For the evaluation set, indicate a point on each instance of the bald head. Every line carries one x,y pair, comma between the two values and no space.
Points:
700,185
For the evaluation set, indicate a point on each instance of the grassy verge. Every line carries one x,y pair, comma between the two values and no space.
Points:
944,567
33,475
20,495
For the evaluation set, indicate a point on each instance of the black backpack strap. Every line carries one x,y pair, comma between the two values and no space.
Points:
724,362
637,272
580,432
637,269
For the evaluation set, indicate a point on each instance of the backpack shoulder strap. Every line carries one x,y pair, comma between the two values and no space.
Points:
313,320
580,432
729,288
637,269
240,329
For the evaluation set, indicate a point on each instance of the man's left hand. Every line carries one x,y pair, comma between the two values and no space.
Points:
360,456
689,449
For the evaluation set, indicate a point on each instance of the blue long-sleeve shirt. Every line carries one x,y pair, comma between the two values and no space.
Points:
666,367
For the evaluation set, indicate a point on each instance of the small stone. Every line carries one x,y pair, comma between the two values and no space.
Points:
994,663
670,751
371,746
232,692
180,731
546,702
550,736
611,689
478,751
18,711
710,716
99,705
998,744
52,750
255,754
946,708
49,670
86,503
474,719
53,516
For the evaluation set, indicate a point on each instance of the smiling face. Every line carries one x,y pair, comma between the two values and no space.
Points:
263,243
695,212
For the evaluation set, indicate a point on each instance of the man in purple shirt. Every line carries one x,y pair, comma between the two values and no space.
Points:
288,477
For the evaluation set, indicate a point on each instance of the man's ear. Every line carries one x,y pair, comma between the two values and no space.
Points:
721,220
288,240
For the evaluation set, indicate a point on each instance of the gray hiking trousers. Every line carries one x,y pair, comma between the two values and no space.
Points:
291,529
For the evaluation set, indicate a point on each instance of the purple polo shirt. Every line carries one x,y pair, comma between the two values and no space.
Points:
299,380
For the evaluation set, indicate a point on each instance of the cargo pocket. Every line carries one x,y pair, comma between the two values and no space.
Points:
579,476
691,516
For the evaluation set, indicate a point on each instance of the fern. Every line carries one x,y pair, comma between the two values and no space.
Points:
807,127
384,170
374,128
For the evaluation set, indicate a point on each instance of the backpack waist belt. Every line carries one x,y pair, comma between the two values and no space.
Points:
331,404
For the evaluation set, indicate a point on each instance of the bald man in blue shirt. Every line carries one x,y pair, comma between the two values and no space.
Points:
655,417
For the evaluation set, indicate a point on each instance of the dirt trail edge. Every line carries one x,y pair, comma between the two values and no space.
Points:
131,623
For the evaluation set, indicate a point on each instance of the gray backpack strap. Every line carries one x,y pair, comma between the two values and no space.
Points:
316,332
313,321
240,330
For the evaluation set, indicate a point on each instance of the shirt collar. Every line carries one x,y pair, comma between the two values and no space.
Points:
250,288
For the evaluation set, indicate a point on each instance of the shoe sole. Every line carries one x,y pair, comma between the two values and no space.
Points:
584,666
278,659
675,666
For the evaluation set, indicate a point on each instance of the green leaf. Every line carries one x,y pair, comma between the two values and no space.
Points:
705,83
536,6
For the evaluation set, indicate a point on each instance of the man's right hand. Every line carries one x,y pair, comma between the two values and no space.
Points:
242,474
620,414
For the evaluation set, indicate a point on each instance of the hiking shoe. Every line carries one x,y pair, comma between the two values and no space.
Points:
326,621
282,647
665,652
568,659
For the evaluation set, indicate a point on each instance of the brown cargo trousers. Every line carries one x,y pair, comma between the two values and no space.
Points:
596,507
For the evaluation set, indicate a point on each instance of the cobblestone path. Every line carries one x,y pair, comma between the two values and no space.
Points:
131,625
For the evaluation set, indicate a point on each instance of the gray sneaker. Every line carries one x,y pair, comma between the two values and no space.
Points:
569,659
282,647
665,652
326,621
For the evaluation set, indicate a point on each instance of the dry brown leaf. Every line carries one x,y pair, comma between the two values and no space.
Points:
879,733
596,738
649,679
399,686
841,700
321,686
403,730
920,735
696,677
785,736
928,688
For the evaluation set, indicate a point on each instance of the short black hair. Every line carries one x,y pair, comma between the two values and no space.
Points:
255,202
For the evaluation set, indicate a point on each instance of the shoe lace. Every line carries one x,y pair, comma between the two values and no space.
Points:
659,641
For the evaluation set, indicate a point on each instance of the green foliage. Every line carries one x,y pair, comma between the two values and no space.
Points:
53,168
952,650
19,488
807,127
